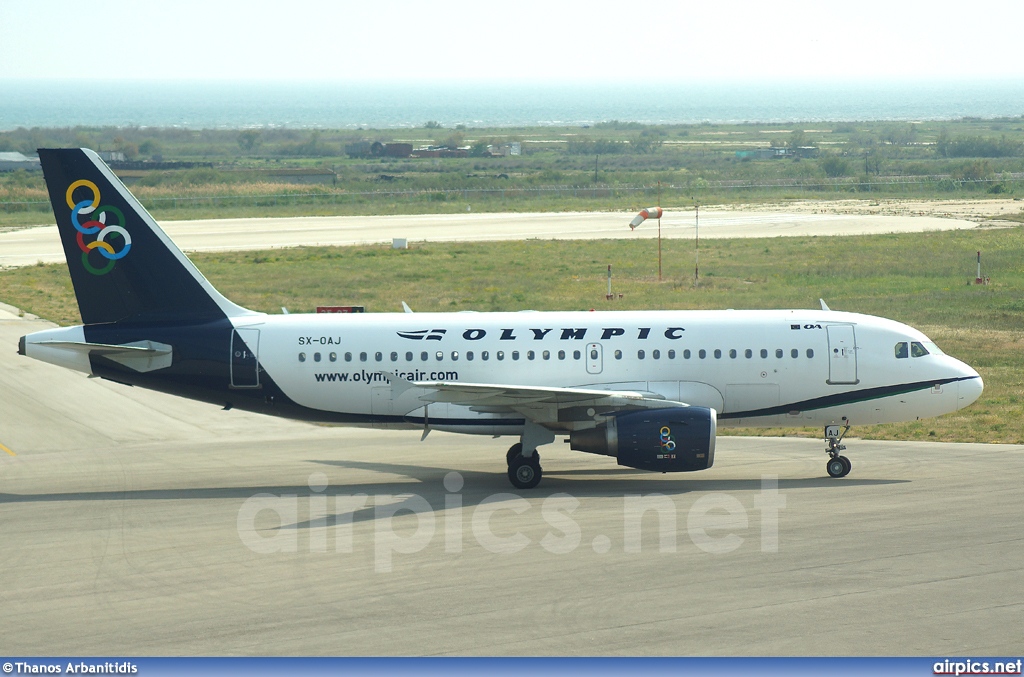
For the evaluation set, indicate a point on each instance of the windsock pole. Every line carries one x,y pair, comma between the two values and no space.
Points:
659,234
645,214
696,230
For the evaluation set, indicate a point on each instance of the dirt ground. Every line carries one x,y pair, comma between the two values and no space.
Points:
980,210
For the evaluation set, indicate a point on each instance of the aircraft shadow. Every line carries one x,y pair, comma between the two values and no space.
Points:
477,488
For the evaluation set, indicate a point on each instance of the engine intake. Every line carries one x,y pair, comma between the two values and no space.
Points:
679,439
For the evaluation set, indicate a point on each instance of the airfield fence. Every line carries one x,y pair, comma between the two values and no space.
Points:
690,189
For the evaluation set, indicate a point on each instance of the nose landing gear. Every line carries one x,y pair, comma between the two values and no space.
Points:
837,466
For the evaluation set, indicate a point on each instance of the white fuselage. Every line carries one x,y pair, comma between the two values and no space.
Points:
756,368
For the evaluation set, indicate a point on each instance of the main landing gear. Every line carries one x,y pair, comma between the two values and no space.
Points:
523,460
837,466
524,472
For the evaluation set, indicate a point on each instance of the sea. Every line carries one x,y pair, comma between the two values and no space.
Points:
325,105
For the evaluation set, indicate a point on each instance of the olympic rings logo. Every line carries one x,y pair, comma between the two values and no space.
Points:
668,442
107,234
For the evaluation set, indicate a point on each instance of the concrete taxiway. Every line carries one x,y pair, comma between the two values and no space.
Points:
28,246
134,523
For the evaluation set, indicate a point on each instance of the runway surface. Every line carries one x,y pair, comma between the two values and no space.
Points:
134,523
26,247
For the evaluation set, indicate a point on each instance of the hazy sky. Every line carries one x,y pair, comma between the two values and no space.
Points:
493,40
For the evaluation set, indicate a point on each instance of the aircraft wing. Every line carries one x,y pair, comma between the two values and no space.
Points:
540,404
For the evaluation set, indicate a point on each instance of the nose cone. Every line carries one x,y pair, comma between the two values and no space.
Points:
970,389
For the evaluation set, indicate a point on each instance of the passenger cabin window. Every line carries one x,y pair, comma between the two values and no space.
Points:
618,354
917,350
902,351
640,354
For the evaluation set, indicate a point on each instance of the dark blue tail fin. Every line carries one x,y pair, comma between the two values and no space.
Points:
123,266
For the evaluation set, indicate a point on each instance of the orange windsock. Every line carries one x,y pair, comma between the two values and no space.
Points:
649,213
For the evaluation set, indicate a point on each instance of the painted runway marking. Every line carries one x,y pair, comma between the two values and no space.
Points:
7,450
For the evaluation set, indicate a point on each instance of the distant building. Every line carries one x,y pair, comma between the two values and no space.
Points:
358,149
757,154
10,162
505,149
365,149
109,156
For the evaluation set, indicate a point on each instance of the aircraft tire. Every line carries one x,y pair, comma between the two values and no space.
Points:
515,450
835,467
847,466
524,473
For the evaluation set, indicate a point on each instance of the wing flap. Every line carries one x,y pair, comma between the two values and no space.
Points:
541,404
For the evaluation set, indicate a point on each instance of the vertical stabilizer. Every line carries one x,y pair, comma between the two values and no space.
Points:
123,266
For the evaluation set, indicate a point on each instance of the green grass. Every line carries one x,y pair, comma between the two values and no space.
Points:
690,162
920,279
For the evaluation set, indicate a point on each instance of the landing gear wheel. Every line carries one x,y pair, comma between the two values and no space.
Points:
523,472
846,466
836,468
515,450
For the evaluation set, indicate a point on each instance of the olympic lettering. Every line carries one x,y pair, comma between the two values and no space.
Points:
107,235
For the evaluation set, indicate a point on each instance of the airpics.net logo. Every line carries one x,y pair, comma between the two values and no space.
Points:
387,527
109,240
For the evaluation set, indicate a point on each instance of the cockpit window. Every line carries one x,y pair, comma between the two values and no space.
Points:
917,350
901,350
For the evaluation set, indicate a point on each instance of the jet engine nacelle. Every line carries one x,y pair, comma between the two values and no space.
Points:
664,440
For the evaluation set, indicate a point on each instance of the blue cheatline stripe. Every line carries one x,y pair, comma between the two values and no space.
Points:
515,667
849,397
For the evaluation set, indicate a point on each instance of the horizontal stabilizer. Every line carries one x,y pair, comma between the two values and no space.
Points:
139,355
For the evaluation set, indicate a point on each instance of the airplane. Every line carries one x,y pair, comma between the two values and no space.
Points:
649,388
